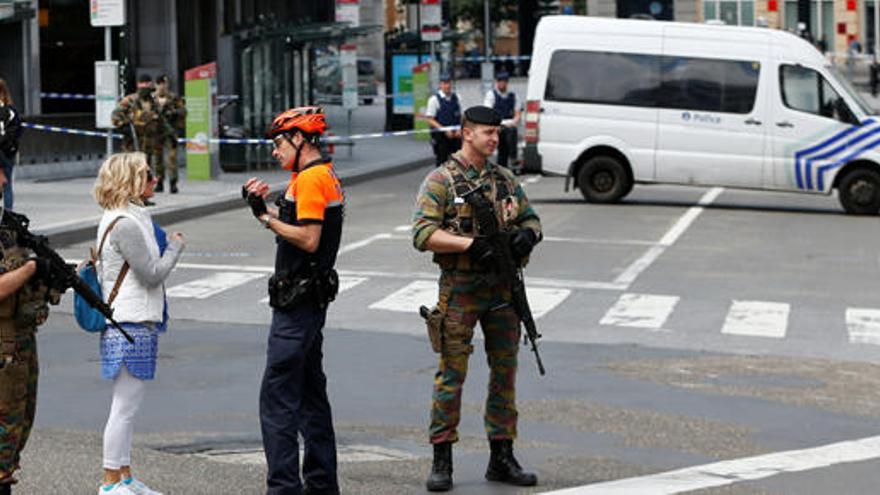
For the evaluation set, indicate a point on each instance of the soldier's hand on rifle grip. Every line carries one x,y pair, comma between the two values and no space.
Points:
480,250
43,268
522,242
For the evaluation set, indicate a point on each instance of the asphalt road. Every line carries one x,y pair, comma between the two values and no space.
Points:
682,327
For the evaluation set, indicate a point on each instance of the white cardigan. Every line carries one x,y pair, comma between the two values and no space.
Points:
141,296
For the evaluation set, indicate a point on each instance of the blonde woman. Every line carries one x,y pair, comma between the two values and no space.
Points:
130,254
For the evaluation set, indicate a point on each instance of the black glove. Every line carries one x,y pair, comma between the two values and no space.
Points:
44,268
480,250
256,202
522,242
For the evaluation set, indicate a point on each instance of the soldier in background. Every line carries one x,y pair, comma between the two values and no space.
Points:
23,307
137,117
172,112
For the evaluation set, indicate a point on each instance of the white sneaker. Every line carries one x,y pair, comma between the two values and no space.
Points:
114,489
137,487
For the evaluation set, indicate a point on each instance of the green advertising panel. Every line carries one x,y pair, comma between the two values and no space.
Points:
198,129
421,89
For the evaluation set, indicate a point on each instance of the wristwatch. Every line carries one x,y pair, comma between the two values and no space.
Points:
265,219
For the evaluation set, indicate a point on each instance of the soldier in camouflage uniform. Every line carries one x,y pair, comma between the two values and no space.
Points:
444,224
137,117
23,307
172,111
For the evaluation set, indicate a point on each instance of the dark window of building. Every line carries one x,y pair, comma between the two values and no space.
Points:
709,85
604,78
805,90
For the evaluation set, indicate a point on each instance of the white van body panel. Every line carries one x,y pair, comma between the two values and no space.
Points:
707,148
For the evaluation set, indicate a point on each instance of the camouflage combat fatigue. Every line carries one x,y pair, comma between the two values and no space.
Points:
20,315
137,116
172,111
468,296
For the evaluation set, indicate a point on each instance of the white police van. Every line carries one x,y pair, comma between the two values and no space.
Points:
615,102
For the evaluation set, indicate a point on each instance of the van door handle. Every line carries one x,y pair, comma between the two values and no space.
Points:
753,121
784,123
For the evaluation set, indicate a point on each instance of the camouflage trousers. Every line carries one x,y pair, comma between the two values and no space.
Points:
166,160
153,152
18,403
470,299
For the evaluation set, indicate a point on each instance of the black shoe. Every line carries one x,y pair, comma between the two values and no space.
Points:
160,186
5,489
174,187
440,479
503,466
147,202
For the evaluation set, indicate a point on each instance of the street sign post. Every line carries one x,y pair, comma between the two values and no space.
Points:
106,14
431,20
106,92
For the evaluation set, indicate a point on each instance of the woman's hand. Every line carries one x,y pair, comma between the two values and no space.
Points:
176,236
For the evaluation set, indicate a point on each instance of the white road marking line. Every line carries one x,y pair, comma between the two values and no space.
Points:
757,319
532,180
735,470
211,285
542,301
402,228
409,298
863,325
345,283
632,272
640,311
362,243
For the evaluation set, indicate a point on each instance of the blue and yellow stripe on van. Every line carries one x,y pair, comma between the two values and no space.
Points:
834,152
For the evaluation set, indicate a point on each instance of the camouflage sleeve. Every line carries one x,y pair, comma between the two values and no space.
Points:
119,117
527,217
429,208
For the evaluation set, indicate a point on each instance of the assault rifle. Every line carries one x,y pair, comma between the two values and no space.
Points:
62,275
504,266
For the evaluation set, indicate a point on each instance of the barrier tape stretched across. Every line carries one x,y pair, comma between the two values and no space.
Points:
326,139
80,96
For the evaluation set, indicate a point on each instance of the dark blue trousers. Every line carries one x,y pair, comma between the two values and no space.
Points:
293,400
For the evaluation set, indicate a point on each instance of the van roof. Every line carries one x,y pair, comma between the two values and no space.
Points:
793,46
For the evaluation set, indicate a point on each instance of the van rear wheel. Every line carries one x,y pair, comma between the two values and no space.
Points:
603,179
859,192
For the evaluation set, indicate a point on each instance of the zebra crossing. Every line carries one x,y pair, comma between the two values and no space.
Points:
405,292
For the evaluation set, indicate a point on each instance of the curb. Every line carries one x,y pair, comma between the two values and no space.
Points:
83,231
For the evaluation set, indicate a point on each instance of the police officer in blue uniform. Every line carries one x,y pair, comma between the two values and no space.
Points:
444,110
504,102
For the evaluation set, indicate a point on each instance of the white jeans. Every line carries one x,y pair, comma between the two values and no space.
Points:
128,393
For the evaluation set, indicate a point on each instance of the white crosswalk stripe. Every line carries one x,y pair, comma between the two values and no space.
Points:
757,319
863,325
409,298
211,285
640,311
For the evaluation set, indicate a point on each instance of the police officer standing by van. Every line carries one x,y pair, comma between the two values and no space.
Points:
504,102
445,223
444,110
24,306
308,228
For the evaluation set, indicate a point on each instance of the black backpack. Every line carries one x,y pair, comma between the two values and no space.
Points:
10,130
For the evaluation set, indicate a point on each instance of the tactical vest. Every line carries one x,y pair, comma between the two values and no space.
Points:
26,309
463,223
449,112
505,105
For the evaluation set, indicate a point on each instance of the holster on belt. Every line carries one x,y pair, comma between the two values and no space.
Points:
434,318
287,290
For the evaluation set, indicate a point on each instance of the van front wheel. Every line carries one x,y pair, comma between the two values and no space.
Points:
859,192
603,179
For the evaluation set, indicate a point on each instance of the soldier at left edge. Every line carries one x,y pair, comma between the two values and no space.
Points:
24,297
137,118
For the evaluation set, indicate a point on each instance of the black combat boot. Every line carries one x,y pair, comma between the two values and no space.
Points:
440,479
308,490
173,183
160,185
503,466
5,489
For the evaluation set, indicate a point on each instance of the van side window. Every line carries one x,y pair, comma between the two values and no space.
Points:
604,78
805,90
709,85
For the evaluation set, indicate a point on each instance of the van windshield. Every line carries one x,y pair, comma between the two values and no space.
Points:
863,105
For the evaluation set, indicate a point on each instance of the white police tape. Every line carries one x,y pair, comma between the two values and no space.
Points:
257,141
67,96
495,58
